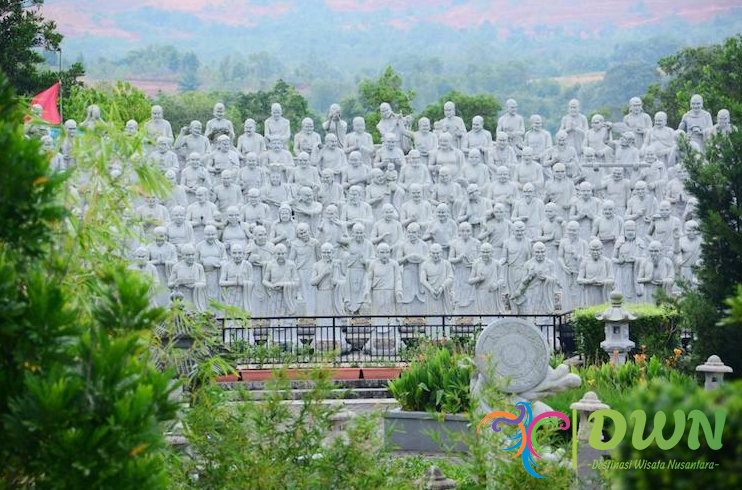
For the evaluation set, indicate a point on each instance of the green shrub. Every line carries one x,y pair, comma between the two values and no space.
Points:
656,328
437,381
668,397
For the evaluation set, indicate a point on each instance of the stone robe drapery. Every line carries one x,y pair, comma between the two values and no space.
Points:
183,273
487,290
235,284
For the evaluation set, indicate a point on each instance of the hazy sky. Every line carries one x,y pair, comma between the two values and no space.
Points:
117,18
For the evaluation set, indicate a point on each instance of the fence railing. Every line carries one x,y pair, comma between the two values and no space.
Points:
262,341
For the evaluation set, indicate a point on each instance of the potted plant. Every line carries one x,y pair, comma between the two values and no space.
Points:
433,394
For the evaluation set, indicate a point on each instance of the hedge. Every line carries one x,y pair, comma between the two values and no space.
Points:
655,331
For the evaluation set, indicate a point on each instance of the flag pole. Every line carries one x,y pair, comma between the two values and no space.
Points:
61,113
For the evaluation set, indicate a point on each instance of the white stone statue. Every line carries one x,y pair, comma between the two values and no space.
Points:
209,253
665,228
179,231
218,125
190,140
551,231
93,119
223,156
608,227
389,122
331,157
488,281
236,280
275,193
142,264
502,154
696,122
474,171
537,290
259,253
464,250
424,140
598,138
410,252
283,230
235,231
538,138
357,258
162,157
562,153
193,176
415,172
447,155
436,276
187,279
253,176
513,124
516,251
416,210
496,230
529,210
560,190
478,138
281,283
304,174
529,171
575,124
446,191
627,254
163,256
305,252
361,141
455,124
335,124
330,191
307,140
641,208
596,276
638,121
584,209
201,213
327,282
227,193
723,125
255,212
387,230
384,283
688,254
572,250
655,272
158,126
277,127
250,141
442,229
331,229
661,139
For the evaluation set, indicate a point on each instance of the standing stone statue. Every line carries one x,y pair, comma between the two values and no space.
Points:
410,253
478,138
335,124
503,190
384,283
538,138
332,157
357,258
474,171
255,212
331,229
209,253
188,279
627,254
455,124
259,253
502,154
415,172
550,231
515,253
201,213
513,124
389,122
696,121
327,282
723,126
575,124
464,251
528,171
641,208
236,280
193,176
595,276
162,158
250,141
142,264
277,127
305,252
158,126
572,250
388,230
584,209
446,191
218,125
436,276
179,231
281,282
562,153
655,272
443,229
638,121
598,138
496,230
424,140
529,210
304,175
234,231
361,141
93,119
689,253
537,290
474,208
307,140
163,256
488,281
665,228
227,193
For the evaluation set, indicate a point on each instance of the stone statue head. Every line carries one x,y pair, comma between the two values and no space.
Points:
260,235
416,191
331,212
655,251
441,212
503,174
359,232
307,125
227,177
359,125
596,249
210,234
279,253
528,191
585,190
536,122
334,112
331,140
386,110
649,155
722,118
237,253
383,252
573,108
250,126
696,103
413,158
609,209
423,124
561,138
436,252
660,119
527,154
445,141
573,227
617,173
377,176
151,200
589,153
160,234
189,253
486,252
253,196
354,194
635,106
472,190
665,209
302,232
275,178
306,194
284,213
449,109
327,176
629,230
499,211
47,143
388,212
177,214
550,211
93,113
142,256
233,215
597,121
156,113
327,251
70,127
202,195
302,160
131,127
390,141
413,231
276,110
477,123
219,110
640,187
691,229
539,251
475,156
501,139
519,230
195,128
560,171
163,144
465,231
445,175
512,106
223,143
627,139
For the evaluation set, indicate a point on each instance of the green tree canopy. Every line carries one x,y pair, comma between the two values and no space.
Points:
257,105
23,31
714,71
467,106
118,103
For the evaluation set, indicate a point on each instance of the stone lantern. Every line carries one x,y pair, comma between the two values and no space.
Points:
589,404
617,319
714,370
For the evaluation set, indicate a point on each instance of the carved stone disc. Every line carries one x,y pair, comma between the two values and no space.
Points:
514,349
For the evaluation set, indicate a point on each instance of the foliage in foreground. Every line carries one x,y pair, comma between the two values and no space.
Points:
81,405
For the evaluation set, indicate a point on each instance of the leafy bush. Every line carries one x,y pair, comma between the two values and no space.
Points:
438,380
118,103
668,397
656,328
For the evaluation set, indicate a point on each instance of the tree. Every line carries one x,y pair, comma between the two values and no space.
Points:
118,103
81,405
23,31
467,106
257,105
188,81
714,71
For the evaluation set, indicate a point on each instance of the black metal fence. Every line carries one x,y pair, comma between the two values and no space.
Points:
263,341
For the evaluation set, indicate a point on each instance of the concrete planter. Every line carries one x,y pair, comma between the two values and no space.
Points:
410,431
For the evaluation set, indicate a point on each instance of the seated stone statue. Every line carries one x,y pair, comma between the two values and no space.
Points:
162,158
250,141
223,157
723,125
190,140
584,209
665,229
528,171
142,264
307,140
696,121
277,127
529,210
455,124
359,140
565,154
513,124
538,138
414,172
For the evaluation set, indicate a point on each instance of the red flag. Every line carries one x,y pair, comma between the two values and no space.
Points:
48,101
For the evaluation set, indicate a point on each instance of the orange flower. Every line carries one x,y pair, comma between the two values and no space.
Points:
138,449
677,352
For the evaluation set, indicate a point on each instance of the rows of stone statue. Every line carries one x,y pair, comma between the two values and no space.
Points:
440,220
